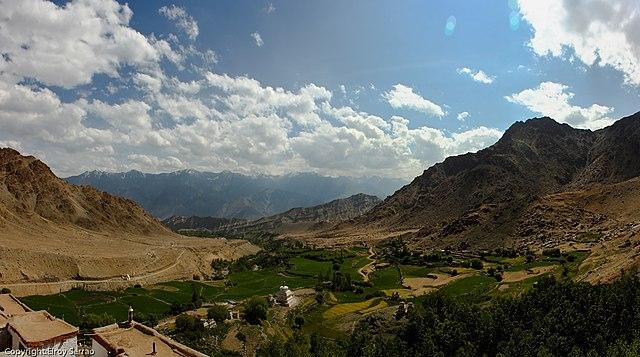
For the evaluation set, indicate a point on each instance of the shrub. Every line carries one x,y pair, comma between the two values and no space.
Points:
188,323
298,321
90,321
219,313
5,291
255,310
150,320
554,252
476,264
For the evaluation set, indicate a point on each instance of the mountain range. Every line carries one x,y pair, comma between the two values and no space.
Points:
299,219
542,181
230,195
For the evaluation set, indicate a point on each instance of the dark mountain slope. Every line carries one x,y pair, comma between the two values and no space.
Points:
479,197
295,219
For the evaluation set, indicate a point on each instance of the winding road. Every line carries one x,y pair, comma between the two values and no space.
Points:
116,279
368,269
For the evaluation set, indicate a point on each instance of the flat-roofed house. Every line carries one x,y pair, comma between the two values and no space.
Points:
36,331
134,339
9,307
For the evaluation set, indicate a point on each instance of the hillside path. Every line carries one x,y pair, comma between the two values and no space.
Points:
368,269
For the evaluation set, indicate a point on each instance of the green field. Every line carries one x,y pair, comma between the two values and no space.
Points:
302,271
157,299
472,286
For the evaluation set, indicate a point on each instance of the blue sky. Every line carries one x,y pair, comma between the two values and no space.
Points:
359,43
366,87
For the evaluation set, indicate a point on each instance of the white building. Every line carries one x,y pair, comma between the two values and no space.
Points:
285,296
36,331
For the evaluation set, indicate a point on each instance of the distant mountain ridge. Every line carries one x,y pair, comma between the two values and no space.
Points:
230,195
295,219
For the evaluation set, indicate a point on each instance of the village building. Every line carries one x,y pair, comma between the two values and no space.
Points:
135,339
36,331
285,297
130,338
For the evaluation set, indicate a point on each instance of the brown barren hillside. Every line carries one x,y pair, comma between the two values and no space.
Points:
542,184
52,231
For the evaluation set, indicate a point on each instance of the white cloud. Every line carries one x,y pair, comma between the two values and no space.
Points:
552,100
258,39
269,8
463,116
211,121
599,32
181,19
478,76
67,45
402,96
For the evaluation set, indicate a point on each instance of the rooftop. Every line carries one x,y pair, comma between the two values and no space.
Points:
39,328
137,340
9,307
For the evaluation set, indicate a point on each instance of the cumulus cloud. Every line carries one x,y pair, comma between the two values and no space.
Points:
258,39
597,32
212,121
181,19
66,45
463,116
478,76
553,100
401,96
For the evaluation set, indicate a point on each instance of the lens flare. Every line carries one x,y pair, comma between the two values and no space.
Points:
450,27
514,20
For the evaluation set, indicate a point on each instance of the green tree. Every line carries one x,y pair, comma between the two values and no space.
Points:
255,310
218,312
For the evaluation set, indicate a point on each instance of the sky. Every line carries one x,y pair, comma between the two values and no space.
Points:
353,88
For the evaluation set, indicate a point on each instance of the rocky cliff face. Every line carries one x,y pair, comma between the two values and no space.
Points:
28,188
482,196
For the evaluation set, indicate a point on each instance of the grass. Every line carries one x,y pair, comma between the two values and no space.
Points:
352,265
343,309
157,299
386,278
416,271
519,287
380,305
533,264
474,286
308,267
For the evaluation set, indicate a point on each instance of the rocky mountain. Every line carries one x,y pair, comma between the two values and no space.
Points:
297,219
28,188
230,195
482,199
67,235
